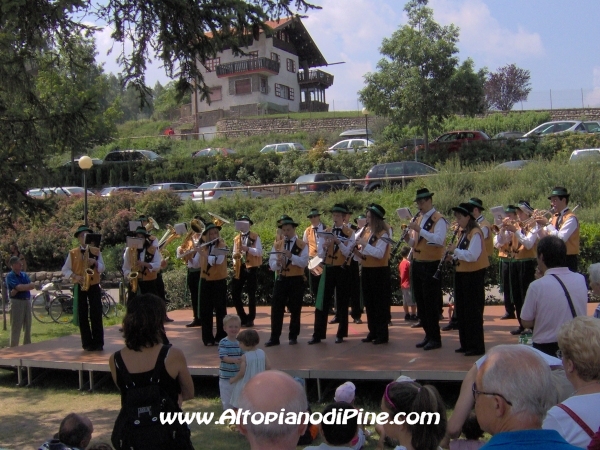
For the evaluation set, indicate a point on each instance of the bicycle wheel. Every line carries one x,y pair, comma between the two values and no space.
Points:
41,308
61,309
109,306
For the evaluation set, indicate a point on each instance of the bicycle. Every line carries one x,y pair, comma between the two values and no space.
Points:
52,304
110,308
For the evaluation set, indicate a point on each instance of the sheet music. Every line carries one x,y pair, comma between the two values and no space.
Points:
404,213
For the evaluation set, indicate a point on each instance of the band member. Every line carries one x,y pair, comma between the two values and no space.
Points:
335,278
142,265
469,281
564,224
484,225
356,302
86,290
507,244
191,257
213,285
525,260
427,237
247,257
289,257
374,254
310,238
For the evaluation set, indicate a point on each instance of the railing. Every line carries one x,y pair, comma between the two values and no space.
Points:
248,65
315,76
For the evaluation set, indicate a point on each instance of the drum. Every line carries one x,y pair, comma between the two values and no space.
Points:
315,267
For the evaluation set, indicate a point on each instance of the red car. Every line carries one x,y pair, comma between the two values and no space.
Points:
454,140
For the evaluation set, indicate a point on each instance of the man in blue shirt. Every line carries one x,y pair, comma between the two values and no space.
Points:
19,286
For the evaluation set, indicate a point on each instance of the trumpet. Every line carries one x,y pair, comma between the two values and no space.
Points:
438,272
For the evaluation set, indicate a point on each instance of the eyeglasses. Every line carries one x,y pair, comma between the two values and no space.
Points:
476,393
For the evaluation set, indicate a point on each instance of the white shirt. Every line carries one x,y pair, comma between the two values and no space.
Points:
300,260
213,260
377,250
547,305
67,270
437,236
319,228
357,236
486,230
254,251
155,263
345,247
472,252
504,237
192,263
567,228
586,407
528,240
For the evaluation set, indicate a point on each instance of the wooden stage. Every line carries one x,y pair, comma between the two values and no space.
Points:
351,360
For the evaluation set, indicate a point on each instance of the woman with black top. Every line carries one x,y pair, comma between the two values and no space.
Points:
144,354
471,261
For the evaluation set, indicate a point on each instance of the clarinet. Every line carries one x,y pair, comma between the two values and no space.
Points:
404,233
438,272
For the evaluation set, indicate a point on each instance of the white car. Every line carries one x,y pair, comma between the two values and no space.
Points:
350,146
184,190
558,126
283,147
214,190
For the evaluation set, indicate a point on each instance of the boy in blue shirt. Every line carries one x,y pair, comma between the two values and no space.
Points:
19,286
230,354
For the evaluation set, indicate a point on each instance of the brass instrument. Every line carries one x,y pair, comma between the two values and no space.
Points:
405,229
188,246
169,236
134,275
218,220
89,273
151,225
351,255
237,265
438,272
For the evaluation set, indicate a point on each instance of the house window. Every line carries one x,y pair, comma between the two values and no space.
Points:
291,65
216,94
284,91
243,86
211,64
264,86
253,55
275,56
282,35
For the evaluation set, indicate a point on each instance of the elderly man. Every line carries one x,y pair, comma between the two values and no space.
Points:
75,432
557,297
512,392
19,286
284,393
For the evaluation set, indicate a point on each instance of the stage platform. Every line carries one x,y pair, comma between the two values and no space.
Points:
351,360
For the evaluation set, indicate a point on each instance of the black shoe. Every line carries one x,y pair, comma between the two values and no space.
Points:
334,320
432,345
413,317
367,339
293,341
517,332
508,316
417,325
194,323
249,324
339,340
460,350
314,341
407,317
168,319
449,327
423,343
120,331
358,321
475,353
271,343
380,341
209,344
390,323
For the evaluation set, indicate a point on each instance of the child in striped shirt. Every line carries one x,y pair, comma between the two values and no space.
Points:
230,354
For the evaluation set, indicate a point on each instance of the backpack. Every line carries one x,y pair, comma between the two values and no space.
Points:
138,425
595,442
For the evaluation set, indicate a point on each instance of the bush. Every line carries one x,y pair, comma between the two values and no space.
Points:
176,288
160,205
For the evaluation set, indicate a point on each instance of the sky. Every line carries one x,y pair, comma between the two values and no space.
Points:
557,41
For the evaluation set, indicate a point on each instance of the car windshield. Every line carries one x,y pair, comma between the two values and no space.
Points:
106,190
156,187
210,185
150,155
592,127
586,155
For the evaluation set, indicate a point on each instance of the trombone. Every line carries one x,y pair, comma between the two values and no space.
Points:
218,220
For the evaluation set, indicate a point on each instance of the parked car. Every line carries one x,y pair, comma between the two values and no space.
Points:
508,135
112,190
122,156
69,190
585,155
356,133
454,140
211,193
592,127
40,192
338,182
95,162
350,146
184,190
395,169
283,147
557,126
513,165
214,151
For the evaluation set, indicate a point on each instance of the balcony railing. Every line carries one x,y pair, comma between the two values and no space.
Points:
264,65
315,77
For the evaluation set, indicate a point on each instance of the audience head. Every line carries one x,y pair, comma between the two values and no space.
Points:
471,428
249,338
75,431
594,272
552,252
270,391
513,389
233,318
345,392
405,251
409,397
579,342
336,433
143,321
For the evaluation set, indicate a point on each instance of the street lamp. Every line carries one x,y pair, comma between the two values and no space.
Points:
85,164
365,112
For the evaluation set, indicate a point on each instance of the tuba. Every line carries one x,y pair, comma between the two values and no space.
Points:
134,274
188,245
89,273
169,236
151,225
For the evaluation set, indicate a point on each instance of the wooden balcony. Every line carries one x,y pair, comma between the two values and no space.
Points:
316,78
262,66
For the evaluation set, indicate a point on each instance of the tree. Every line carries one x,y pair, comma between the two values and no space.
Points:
166,100
509,85
468,89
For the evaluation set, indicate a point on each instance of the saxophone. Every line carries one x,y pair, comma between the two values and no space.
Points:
89,273
134,274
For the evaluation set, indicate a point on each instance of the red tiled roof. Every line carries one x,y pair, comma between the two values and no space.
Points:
275,24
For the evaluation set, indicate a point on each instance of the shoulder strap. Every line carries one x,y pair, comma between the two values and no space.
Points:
568,296
577,419
160,363
122,370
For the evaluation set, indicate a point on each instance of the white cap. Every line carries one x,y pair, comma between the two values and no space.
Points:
345,392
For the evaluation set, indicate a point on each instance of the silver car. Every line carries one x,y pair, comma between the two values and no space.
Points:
213,190
558,126
350,146
184,190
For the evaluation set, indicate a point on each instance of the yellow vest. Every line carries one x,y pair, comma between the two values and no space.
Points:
291,270
370,261
573,241
251,260
215,272
507,250
423,251
77,265
145,275
312,241
488,242
522,252
482,262
336,258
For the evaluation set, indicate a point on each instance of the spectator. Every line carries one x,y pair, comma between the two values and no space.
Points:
408,397
253,362
404,275
269,391
313,429
512,392
75,432
337,436
346,393
555,298
594,272
473,434
579,343
19,286
230,355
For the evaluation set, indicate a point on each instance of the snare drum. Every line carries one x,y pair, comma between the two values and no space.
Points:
315,267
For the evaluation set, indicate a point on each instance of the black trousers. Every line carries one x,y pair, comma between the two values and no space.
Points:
91,329
427,292
160,287
356,310
313,283
510,285
572,262
249,279
377,296
213,297
525,275
336,280
549,348
193,278
287,291
469,301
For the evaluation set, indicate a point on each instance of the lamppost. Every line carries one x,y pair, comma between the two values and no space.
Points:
365,112
85,164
